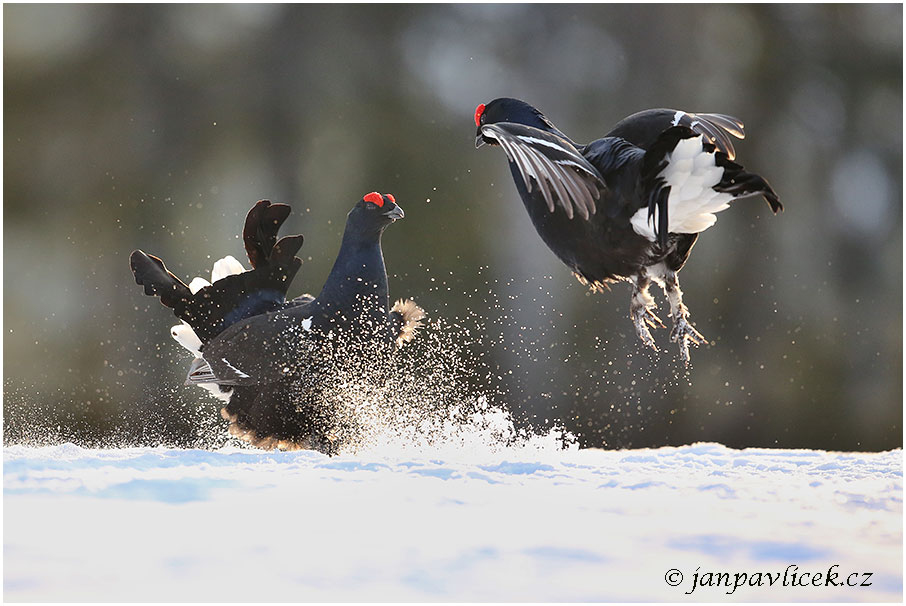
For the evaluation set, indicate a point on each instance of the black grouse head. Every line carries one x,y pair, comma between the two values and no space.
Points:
506,109
373,213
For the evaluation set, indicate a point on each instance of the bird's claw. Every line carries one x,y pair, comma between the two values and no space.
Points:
643,319
685,334
651,319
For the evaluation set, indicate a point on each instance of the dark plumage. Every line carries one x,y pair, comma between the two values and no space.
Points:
272,356
628,206
233,298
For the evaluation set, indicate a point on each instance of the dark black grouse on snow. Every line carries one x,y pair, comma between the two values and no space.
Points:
267,357
628,206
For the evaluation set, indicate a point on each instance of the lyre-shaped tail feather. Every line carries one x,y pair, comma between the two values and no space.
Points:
235,297
150,272
260,231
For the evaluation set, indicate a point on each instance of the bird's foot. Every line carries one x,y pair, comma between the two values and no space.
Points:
643,319
685,334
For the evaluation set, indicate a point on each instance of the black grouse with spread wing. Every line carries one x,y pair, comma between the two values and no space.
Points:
270,356
628,206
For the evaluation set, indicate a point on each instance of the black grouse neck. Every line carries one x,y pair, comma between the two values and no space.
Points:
359,276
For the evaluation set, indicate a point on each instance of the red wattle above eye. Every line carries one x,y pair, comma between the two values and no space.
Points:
375,198
478,111
391,198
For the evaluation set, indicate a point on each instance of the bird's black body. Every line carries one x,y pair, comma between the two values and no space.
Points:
600,207
599,250
353,306
272,356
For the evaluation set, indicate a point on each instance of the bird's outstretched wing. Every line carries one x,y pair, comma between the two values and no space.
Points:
551,164
241,356
643,128
718,129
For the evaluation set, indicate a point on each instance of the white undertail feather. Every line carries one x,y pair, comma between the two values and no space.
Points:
197,284
226,267
691,173
214,390
185,336
183,333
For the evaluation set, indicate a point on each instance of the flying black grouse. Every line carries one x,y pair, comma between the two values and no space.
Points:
628,206
268,357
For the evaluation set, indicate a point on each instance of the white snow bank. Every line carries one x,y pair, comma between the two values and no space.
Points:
526,524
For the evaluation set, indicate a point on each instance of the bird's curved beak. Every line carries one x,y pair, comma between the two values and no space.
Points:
395,213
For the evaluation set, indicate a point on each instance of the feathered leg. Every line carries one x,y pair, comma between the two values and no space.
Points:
640,310
683,332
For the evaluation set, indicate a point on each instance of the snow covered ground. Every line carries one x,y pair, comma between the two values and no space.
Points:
523,523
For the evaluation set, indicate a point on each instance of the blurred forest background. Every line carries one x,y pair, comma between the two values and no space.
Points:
158,126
